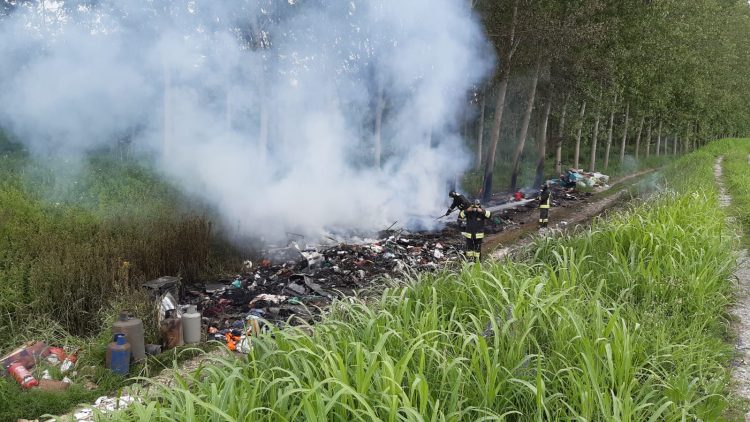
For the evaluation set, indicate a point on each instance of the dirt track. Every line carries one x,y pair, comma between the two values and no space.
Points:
563,217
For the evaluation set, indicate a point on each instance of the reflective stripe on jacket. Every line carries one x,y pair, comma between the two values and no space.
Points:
474,217
545,200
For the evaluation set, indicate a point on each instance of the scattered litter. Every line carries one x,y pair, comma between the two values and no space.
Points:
167,303
292,283
53,385
56,355
103,405
153,349
22,375
28,355
69,362
247,265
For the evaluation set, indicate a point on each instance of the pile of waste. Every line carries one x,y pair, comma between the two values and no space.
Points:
102,406
293,284
37,365
579,179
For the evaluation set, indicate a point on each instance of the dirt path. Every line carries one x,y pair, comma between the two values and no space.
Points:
561,218
741,308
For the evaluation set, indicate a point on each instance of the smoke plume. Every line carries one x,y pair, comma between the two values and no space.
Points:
265,109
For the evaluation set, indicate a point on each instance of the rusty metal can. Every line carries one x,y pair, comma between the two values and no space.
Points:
22,375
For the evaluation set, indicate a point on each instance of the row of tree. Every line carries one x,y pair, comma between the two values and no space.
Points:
629,77
667,73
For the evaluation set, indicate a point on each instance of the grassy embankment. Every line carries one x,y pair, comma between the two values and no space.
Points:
625,321
74,247
737,180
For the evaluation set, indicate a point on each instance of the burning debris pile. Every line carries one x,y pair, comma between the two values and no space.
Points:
294,284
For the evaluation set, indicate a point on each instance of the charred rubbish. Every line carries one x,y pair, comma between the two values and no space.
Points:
294,284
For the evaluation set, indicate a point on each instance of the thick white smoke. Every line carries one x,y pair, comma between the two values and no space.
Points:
264,108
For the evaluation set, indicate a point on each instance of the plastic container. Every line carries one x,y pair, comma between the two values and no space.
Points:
56,355
22,375
171,330
191,325
133,330
118,355
69,362
28,355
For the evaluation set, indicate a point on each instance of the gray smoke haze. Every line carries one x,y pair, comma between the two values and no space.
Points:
263,108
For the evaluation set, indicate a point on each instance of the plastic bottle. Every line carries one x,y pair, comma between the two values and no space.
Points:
118,355
133,330
171,330
69,362
22,375
191,325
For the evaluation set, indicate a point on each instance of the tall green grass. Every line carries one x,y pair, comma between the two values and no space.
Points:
72,244
76,242
625,321
737,180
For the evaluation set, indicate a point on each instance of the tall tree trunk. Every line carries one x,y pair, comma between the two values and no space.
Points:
648,140
264,127
497,119
609,133
500,106
577,153
228,107
168,113
379,107
625,134
638,137
658,139
674,145
594,139
539,177
480,135
686,144
561,136
524,128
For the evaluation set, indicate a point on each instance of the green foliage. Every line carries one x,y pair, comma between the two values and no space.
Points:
72,245
680,64
737,179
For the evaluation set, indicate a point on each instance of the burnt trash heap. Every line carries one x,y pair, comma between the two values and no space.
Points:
293,284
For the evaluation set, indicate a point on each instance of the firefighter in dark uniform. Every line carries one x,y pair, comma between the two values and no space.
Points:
459,201
545,200
474,218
